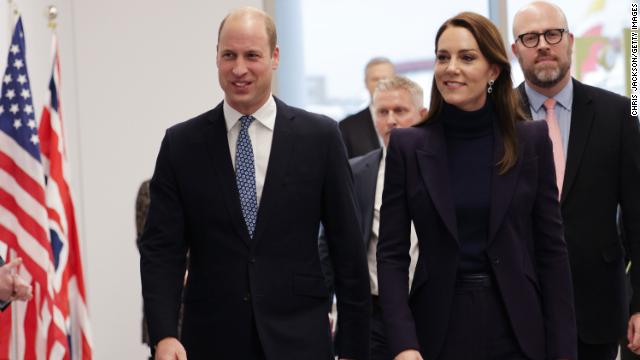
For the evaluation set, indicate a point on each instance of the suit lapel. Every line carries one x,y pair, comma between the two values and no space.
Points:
432,162
366,181
218,146
502,186
581,121
279,158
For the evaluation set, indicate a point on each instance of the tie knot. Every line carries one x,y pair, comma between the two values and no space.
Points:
549,104
246,120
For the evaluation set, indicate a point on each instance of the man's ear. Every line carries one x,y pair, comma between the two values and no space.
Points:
423,113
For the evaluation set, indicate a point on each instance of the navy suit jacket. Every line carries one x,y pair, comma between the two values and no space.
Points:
525,246
359,133
602,172
365,179
273,280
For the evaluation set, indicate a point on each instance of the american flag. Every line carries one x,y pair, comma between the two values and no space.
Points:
36,329
69,279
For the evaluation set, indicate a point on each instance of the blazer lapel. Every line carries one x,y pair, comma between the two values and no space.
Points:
502,186
366,181
432,162
581,121
279,158
218,146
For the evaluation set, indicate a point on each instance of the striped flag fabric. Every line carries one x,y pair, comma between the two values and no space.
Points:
69,279
34,329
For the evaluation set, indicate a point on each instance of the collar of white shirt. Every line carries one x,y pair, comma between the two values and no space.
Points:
266,114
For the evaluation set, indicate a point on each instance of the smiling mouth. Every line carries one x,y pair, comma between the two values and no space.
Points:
241,84
453,84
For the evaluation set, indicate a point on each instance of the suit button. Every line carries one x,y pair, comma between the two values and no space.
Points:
247,297
252,260
495,261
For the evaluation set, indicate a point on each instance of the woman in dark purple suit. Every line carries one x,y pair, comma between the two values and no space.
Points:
493,279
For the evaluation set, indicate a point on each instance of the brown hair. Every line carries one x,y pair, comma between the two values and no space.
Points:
505,97
269,24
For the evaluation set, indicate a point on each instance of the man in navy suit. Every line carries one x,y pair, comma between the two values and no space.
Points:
358,130
397,103
244,188
600,144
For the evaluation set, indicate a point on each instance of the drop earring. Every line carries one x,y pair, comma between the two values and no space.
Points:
490,88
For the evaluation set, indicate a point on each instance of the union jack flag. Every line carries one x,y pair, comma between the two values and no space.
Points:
69,279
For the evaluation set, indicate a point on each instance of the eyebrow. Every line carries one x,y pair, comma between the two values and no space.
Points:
461,50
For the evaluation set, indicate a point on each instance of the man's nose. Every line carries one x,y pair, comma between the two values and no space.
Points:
239,68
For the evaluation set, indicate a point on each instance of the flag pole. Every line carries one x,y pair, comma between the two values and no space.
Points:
12,252
52,14
13,14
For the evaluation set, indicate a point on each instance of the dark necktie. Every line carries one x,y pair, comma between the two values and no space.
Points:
246,175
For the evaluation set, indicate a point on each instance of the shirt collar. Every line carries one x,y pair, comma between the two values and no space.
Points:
564,98
266,114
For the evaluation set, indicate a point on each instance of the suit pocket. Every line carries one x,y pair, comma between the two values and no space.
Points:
309,285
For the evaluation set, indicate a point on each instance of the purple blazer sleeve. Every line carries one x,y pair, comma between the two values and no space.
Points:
393,252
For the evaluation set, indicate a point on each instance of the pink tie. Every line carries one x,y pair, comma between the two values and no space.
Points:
556,140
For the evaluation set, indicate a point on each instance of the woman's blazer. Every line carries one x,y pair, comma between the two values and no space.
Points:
525,248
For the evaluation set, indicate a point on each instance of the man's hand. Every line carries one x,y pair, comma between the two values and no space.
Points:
13,287
633,333
170,349
409,355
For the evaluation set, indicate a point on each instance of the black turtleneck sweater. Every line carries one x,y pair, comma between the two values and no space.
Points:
469,138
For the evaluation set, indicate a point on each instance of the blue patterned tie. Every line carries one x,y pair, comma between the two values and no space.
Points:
246,175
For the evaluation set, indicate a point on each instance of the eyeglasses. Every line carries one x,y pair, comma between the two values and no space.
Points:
551,36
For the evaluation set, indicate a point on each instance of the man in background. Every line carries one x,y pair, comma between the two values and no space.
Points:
397,103
358,130
596,148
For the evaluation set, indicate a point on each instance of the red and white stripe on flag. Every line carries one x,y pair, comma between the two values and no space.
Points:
69,279
31,330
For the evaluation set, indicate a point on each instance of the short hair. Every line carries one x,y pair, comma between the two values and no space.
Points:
269,24
399,82
377,61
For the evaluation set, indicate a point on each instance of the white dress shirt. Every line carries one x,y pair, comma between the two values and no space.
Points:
375,230
260,133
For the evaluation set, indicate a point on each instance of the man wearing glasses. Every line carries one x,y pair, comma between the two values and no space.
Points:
596,146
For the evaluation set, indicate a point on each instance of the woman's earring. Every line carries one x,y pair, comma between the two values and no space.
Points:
490,88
